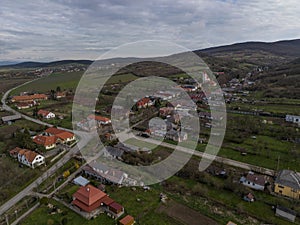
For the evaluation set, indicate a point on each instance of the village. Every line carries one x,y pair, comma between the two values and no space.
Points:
90,201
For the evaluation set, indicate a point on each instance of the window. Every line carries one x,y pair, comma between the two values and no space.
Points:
248,182
280,186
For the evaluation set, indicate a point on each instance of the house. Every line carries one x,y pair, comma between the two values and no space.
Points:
292,119
249,197
48,142
88,198
189,88
115,209
9,119
144,103
26,105
81,181
61,135
104,173
287,183
27,157
176,135
100,120
45,114
59,95
112,152
286,213
165,111
28,98
254,181
127,220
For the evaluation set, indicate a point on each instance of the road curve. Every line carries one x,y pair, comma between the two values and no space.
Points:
83,140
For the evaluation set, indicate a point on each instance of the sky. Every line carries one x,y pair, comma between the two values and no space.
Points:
41,30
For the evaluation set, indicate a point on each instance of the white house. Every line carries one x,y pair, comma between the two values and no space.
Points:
254,181
30,158
292,119
46,114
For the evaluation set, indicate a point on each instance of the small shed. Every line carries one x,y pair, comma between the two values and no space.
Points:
286,213
81,181
10,119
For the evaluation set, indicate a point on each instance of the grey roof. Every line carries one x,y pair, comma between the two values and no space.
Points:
288,178
116,152
10,118
81,181
284,209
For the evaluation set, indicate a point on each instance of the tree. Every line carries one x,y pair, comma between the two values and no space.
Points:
58,89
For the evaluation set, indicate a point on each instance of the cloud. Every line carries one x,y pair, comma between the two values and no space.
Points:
61,29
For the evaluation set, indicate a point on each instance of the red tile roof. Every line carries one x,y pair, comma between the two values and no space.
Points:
45,140
53,130
99,118
143,101
127,220
29,155
43,112
116,207
107,200
29,97
65,135
89,195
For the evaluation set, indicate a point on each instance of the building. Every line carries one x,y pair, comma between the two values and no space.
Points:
127,220
144,103
62,135
28,157
254,181
287,183
165,111
46,114
286,213
104,173
116,210
81,181
9,119
28,98
26,105
292,119
88,198
176,135
100,120
48,142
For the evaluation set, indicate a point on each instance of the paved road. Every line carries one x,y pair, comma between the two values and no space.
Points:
83,140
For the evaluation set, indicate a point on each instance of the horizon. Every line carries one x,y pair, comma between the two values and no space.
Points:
59,29
15,62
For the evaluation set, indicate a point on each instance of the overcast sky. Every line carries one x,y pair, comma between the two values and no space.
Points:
43,30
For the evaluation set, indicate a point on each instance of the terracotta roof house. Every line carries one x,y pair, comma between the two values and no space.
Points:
144,102
14,152
25,105
254,181
48,142
99,119
107,201
88,198
27,157
127,220
59,95
26,98
115,209
46,114
62,135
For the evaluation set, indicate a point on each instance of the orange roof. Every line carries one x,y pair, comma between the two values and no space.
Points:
89,195
107,200
127,220
29,97
15,151
99,118
29,155
43,112
53,130
143,101
64,135
45,140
